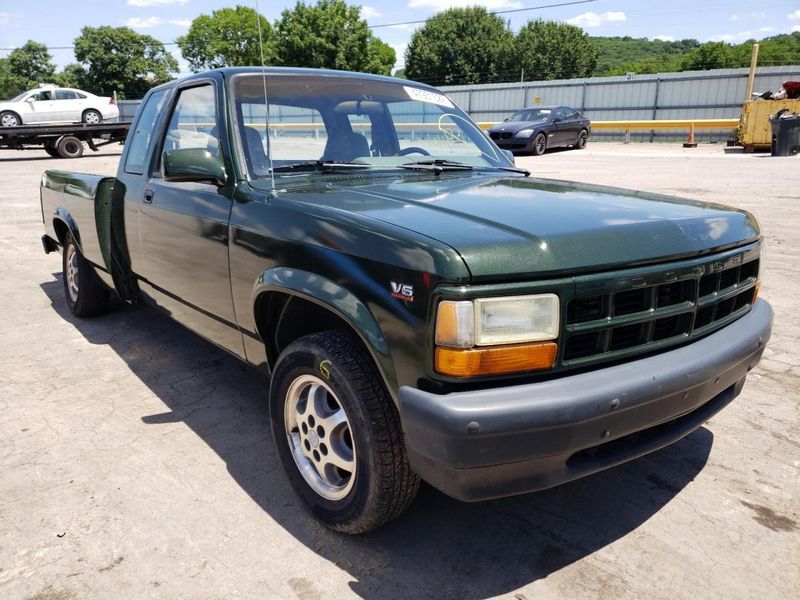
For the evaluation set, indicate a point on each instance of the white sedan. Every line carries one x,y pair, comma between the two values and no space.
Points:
56,105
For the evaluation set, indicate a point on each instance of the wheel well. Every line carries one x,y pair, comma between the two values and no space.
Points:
61,230
282,318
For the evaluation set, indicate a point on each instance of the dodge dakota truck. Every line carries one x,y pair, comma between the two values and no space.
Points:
423,309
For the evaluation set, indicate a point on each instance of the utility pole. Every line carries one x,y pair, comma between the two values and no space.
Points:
752,75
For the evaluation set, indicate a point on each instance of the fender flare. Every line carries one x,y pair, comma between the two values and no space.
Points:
341,302
61,214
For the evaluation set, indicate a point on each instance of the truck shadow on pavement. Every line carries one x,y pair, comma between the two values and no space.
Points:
440,548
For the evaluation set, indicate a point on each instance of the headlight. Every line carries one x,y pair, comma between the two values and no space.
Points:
525,133
497,335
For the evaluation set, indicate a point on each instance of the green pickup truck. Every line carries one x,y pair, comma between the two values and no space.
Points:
423,309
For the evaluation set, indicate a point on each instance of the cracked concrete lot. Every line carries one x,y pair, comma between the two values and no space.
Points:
136,461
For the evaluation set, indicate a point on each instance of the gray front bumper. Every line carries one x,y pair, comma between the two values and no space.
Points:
509,440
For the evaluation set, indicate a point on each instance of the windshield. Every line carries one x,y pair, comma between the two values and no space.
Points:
532,114
20,97
342,119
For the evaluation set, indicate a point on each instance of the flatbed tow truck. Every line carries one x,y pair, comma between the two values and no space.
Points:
64,140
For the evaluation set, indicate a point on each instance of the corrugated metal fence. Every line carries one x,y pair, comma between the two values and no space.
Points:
689,95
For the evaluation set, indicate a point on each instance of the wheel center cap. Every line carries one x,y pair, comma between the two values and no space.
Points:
313,439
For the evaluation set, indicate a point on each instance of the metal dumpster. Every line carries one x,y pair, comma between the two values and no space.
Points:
755,130
785,135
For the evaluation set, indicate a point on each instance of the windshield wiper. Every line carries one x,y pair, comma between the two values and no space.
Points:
437,165
319,164
515,170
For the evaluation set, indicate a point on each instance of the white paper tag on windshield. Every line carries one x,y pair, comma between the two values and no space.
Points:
426,96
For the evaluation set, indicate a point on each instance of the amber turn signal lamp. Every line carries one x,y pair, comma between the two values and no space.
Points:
756,289
495,360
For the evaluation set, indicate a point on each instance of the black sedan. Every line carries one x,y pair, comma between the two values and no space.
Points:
538,128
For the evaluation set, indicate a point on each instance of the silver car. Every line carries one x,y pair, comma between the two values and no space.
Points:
50,104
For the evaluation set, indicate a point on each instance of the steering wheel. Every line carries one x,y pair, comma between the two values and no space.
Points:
413,150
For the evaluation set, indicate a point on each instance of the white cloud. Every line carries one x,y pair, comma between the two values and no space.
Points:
592,19
400,55
440,5
156,2
665,38
795,28
794,16
5,18
748,17
741,36
369,12
149,22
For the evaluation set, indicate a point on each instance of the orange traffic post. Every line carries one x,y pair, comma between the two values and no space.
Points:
690,143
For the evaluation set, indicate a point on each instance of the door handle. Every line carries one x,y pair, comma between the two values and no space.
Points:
148,196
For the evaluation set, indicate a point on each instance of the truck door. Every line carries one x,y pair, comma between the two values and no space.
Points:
183,227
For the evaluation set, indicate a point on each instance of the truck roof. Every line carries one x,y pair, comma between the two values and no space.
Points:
227,72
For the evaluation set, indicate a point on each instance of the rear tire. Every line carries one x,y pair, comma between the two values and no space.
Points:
337,433
9,119
69,146
85,294
92,117
582,137
539,144
50,148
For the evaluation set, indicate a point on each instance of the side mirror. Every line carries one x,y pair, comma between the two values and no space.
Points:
506,119
30,99
557,119
509,155
193,164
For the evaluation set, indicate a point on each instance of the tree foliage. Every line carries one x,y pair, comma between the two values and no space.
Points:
118,58
330,34
227,37
461,46
552,50
24,68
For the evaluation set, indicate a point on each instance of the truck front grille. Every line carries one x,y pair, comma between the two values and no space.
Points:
634,314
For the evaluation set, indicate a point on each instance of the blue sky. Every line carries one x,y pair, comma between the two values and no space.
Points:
58,22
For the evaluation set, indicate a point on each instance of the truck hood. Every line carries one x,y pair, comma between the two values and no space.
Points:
514,226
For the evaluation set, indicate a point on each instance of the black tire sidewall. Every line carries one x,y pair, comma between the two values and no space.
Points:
306,357
536,151
583,136
92,298
62,146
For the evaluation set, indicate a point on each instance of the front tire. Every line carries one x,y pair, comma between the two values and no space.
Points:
539,144
85,294
9,119
337,433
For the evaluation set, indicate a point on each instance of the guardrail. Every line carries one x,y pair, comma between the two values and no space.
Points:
652,125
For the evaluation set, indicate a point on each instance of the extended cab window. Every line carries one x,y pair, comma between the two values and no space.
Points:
139,141
194,121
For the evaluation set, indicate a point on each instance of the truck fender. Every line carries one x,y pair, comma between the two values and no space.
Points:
341,302
62,215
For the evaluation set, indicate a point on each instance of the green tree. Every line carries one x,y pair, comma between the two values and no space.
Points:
24,68
461,46
551,50
711,55
118,58
227,38
330,35
72,76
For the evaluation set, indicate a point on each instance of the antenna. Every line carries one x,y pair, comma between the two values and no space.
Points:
266,99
